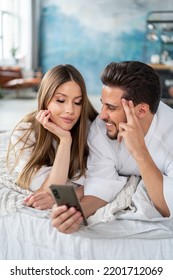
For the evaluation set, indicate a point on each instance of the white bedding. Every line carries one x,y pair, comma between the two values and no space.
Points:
138,232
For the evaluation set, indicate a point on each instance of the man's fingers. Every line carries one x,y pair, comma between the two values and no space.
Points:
74,227
66,220
129,109
71,224
61,214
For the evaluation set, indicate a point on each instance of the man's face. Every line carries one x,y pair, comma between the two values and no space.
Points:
112,112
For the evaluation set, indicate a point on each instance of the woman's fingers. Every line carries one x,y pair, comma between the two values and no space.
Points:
43,116
42,200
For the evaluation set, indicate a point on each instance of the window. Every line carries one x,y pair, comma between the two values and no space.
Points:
9,29
19,32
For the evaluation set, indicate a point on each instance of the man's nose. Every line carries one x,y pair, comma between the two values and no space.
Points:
103,113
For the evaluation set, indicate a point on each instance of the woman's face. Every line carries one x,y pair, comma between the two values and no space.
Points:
66,105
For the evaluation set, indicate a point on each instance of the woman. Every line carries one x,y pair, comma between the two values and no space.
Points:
49,144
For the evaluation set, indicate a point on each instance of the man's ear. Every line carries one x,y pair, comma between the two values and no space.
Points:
141,110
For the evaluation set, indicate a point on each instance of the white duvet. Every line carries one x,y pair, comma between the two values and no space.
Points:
128,228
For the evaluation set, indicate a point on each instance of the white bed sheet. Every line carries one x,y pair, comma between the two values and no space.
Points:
27,233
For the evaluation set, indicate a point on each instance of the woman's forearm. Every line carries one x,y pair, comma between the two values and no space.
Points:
60,168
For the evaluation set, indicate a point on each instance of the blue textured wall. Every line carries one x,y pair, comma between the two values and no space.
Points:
90,34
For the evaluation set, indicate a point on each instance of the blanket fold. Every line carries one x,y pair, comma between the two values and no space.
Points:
123,201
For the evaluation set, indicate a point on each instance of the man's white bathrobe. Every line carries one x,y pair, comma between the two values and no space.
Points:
110,163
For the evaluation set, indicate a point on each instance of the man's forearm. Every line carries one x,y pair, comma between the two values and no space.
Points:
153,180
90,204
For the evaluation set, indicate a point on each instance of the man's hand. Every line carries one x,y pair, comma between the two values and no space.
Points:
131,131
69,220
133,135
66,220
41,200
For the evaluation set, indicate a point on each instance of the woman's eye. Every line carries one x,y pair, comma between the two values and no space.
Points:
60,101
78,103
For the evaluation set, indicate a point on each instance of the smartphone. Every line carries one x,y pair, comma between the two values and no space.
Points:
66,195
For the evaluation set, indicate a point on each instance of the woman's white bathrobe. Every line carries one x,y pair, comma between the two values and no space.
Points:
40,176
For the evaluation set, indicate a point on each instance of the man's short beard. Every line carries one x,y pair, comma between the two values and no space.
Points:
112,137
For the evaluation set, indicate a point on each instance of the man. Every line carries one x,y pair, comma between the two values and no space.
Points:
132,135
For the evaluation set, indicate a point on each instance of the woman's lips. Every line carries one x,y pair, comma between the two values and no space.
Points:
67,120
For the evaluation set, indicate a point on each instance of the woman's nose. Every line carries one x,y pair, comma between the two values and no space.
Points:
69,108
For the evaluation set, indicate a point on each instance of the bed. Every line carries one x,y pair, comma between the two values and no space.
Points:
129,228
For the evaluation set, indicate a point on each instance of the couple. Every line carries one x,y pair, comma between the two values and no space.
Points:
133,135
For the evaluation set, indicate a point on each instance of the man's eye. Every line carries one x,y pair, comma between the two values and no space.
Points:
111,108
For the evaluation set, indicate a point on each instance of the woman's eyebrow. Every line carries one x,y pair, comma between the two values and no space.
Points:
80,96
59,93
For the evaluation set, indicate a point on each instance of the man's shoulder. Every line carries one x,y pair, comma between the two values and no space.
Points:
165,112
98,125
97,132
164,129
163,107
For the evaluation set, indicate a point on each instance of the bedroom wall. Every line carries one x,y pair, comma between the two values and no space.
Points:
90,34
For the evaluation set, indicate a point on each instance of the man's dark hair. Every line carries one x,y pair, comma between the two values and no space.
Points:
139,81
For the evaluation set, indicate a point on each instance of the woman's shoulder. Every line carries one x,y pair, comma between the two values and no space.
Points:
21,132
23,126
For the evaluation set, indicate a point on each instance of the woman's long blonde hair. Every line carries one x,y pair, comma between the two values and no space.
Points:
43,151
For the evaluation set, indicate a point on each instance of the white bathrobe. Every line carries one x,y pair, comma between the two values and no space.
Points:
42,174
110,163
